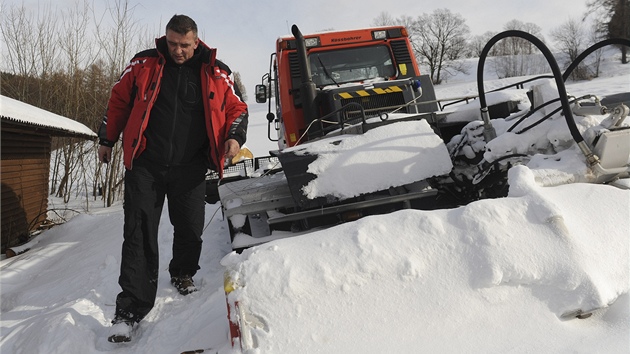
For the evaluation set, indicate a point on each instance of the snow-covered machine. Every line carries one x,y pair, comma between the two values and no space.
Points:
361,132
337,97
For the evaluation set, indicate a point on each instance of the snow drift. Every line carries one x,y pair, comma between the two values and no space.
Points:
494,276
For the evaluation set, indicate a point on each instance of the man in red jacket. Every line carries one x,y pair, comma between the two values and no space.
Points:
179,114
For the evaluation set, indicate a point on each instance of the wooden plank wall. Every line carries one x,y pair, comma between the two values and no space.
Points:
25,164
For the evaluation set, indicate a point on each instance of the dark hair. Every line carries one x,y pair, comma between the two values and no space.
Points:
182,24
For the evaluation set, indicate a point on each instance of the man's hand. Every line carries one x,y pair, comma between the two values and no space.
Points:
231,148
105,154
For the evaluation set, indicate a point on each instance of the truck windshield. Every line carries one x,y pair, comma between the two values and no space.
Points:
351,65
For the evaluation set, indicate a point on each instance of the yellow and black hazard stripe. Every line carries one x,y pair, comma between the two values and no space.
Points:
367,92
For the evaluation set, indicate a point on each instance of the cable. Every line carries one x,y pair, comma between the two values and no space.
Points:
574,64
566,108
212,218
531,112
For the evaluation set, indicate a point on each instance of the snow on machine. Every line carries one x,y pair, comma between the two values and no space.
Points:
338,95
350,103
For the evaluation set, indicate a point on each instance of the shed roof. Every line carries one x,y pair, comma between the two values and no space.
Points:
21,113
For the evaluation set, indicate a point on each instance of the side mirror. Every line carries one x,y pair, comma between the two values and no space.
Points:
261,93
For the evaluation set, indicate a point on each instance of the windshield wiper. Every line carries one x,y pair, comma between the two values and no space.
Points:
326,70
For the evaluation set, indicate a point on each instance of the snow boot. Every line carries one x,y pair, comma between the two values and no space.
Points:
184,284
120,331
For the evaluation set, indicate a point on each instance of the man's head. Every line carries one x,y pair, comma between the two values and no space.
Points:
181,38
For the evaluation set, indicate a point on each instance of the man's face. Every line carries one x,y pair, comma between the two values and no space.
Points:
181,47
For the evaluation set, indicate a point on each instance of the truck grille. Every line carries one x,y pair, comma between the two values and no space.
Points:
373,105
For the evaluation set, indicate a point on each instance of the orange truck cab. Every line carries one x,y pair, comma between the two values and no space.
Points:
325,81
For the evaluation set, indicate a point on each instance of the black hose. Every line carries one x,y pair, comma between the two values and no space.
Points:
548,115
565,76
531,112
591,49
562,92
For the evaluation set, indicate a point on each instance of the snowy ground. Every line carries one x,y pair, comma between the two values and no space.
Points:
495,276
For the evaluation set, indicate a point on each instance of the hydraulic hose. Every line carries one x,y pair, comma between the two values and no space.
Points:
591,49
574,64
549,115
562,92
529,114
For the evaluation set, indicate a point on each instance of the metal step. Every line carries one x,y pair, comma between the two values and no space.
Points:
352,206
255,195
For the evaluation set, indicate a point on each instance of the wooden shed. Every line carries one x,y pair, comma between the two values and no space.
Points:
25,150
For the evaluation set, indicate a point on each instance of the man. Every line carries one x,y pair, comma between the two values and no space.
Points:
179,113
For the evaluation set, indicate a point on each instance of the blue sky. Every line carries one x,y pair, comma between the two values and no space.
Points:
245,31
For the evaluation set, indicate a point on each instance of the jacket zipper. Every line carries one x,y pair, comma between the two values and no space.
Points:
175,107
213,149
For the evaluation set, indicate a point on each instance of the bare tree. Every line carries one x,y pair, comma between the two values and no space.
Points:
406,21
76,55
517,45
18,34
115,37
516,56
50,60
594,38
570,39
439,39
477,43
384,19
72,39
47,47
119,36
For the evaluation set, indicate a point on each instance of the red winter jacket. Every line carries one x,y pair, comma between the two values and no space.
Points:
134,94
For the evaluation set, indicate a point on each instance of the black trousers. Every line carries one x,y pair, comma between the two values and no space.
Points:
146,186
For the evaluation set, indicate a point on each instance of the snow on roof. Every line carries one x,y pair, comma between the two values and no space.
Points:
23,113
